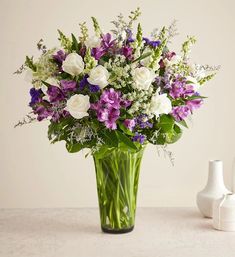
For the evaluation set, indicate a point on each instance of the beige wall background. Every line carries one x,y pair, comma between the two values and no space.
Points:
34,173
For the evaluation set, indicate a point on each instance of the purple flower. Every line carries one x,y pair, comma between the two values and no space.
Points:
138,138
68,85
151,43
107,42
110,97
194,104
59,57
177,88
129,123
108,107
127,52
84,82
180,112
109,116
97,52
42,112
55,94
35,96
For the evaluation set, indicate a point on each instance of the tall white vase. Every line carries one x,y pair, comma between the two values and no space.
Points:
214,189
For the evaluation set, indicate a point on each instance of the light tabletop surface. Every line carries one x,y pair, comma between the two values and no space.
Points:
159,232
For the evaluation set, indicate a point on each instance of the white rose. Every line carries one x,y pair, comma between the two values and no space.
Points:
73,64
160,104
192,81
143,77
78,105
99,76
92,42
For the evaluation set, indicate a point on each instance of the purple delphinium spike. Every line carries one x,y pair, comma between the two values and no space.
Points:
151,43
138,138
35,96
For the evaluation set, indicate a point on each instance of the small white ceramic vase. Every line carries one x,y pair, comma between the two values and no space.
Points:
224,213
214,189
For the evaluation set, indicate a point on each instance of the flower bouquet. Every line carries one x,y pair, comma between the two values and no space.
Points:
114,93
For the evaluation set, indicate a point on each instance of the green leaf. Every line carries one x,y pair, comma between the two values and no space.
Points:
74,148
109,138
166,123
143,56
173,135
183,123
75,45
124,129
126,140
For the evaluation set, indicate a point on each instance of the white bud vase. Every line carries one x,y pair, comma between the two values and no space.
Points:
214,189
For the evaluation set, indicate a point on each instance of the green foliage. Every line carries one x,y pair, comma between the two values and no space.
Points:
157,53
139,35
126,140
75,45
134,15
143,56
207,78
186,46
65,42
30,64
84,32
96,26
90,61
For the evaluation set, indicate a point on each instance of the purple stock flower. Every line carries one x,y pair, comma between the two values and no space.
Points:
59,57
129,123
68,85
180,112
139,138
110,97
194,104
151,43
180,88
127,51
97,52
42,112
107,42
35,96
108,107
55,94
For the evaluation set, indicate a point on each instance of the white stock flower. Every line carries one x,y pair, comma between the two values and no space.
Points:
73,64
99,76
160,104
78,105
143,77
92,42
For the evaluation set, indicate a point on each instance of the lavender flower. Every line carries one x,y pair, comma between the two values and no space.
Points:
142,121
194,104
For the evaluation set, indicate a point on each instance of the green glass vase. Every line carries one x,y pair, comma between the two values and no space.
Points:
117,175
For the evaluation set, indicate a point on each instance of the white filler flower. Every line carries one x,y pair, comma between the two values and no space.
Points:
143,77
99,76
160,104
73,64
78,105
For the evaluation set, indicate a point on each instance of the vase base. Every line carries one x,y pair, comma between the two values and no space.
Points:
117,231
